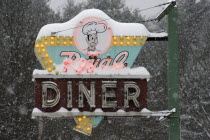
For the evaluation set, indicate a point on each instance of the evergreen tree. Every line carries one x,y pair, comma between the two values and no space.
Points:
194,68
20,21
71,9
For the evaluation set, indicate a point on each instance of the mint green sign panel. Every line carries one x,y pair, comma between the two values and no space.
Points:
112,52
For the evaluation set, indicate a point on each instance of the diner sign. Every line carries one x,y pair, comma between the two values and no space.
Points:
87,70
89,49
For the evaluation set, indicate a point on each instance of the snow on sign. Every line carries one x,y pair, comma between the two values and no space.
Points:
87,63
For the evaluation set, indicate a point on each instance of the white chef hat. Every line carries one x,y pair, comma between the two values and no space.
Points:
93,27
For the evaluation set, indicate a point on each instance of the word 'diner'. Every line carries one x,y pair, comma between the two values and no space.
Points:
79,65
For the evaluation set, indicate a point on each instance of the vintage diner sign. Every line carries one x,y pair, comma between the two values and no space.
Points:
87,63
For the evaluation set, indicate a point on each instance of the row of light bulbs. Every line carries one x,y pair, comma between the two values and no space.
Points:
121,43
53,43
128,38
47,62
71,38
41,43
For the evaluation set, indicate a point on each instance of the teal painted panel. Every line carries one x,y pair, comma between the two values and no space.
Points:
54,52
97,120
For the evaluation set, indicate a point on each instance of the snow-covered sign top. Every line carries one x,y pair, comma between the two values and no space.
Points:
90,43
118,29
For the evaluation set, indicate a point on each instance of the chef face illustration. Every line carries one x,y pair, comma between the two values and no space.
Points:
91,30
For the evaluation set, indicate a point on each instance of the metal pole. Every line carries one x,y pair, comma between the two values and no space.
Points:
40,128
173,75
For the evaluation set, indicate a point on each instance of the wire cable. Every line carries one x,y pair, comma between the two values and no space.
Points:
155,6
53,33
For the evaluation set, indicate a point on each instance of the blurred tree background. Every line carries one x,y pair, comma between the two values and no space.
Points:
20,22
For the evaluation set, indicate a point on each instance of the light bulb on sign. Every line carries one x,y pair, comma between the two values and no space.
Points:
49,69
50,61
52,38
79,126
46,55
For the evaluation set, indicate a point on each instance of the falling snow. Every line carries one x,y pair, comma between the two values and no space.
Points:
20,23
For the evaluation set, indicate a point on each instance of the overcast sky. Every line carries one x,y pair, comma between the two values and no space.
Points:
140,4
